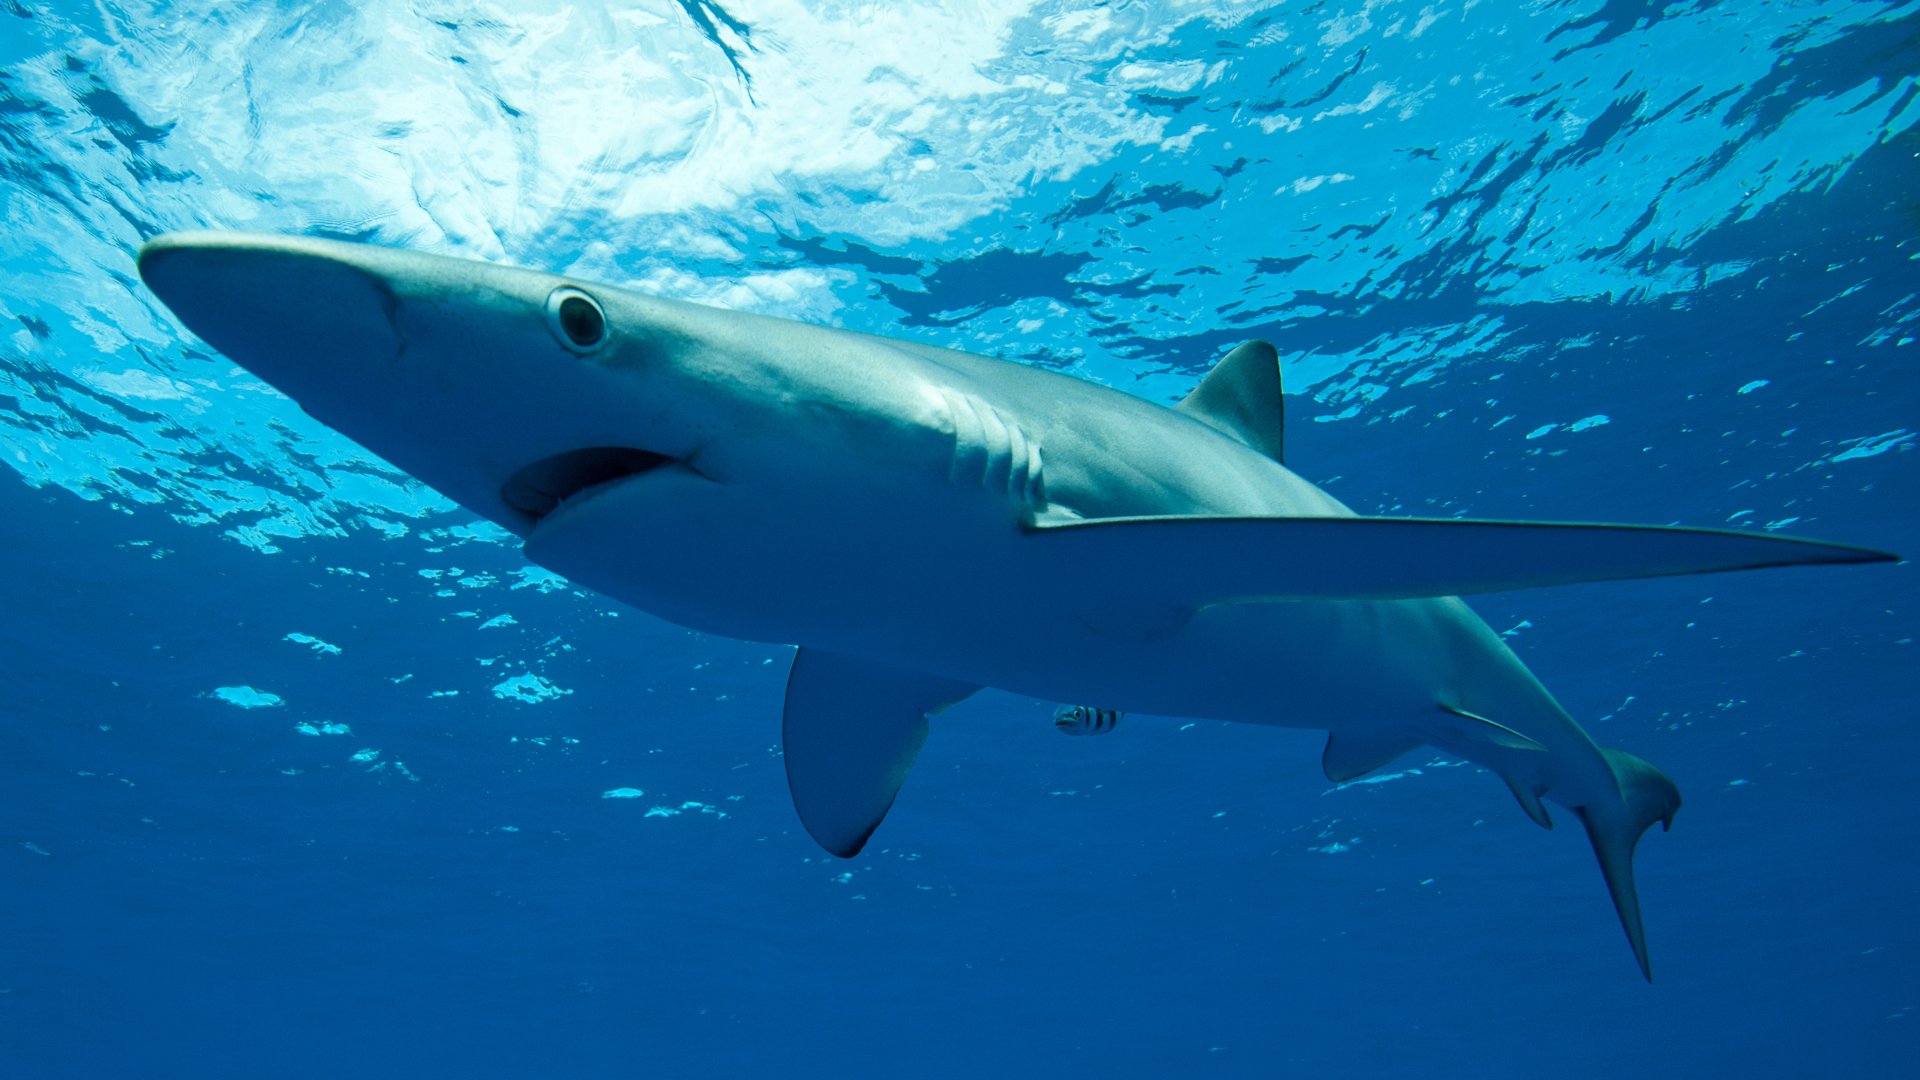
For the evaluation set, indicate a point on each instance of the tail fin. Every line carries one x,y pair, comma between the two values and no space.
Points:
1646,796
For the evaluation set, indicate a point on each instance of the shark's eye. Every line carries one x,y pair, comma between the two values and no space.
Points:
576,319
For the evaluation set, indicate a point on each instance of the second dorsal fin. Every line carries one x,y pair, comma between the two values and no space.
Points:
1241,397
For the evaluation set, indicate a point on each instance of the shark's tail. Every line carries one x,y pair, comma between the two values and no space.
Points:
1646,796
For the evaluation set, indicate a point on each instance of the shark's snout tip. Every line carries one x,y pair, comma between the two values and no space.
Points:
168,240
184,240
168,261
285,308
209,246
162,265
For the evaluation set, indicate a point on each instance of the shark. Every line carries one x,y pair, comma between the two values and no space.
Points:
923,523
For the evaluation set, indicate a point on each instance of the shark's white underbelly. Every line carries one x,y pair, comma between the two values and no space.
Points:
977,603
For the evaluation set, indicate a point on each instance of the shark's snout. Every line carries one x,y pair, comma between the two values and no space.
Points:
288,309
490,383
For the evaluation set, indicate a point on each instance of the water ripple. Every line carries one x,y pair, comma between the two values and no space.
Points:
1400,200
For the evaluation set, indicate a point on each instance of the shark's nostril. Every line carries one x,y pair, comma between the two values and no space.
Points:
536,489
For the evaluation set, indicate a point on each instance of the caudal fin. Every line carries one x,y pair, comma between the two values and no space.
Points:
1646,796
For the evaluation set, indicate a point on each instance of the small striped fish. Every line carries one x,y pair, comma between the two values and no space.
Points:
1085,720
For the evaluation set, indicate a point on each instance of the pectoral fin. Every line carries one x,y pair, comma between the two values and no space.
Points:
1210,560
852,730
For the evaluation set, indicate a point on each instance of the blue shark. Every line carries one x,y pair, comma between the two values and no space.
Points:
923,522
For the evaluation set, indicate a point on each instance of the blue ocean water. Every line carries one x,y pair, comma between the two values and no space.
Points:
307,772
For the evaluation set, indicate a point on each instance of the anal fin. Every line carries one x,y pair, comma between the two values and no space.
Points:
851,731
1352,754
1529,797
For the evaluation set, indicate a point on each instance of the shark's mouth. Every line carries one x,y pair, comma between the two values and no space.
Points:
539,488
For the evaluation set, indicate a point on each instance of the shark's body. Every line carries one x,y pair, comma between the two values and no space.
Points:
924,522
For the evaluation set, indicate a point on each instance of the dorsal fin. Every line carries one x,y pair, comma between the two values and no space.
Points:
1241,397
